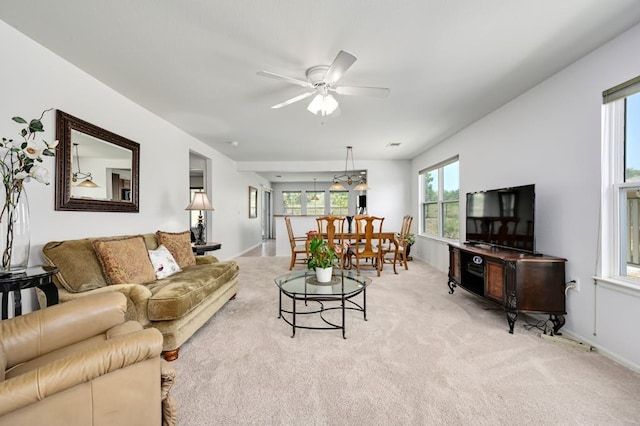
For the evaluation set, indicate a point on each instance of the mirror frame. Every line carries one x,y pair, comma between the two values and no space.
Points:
65,123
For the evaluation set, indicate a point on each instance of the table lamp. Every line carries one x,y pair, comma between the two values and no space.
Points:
200,202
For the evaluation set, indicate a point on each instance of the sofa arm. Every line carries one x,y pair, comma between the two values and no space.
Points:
137,298
28,336
206,260
80,367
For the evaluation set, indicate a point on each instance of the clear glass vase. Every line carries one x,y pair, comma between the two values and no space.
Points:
15,230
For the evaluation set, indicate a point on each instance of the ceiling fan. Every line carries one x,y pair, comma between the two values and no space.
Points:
323,79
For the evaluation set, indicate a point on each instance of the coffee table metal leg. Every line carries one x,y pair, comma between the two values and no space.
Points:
343,323
364,303
280,305
293,327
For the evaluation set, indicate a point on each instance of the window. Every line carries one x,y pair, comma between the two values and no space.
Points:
339,203
292,202
440,200
621,182
315,206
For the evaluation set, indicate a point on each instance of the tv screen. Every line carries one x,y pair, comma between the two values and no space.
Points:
502,217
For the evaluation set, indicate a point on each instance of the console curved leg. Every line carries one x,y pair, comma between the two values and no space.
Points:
512,313
511,319
452,286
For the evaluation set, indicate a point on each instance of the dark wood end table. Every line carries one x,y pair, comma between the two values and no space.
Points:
36,276
200,250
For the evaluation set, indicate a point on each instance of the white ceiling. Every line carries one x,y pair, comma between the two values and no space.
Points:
447,63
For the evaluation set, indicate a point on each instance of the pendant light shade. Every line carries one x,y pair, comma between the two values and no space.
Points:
349,177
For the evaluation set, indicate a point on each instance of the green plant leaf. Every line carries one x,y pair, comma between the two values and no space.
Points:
36,126
19,120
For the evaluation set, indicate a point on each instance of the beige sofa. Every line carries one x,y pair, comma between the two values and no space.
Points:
81,363
177,306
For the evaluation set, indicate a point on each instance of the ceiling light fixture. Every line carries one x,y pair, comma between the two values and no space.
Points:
88,179
349,178
324,103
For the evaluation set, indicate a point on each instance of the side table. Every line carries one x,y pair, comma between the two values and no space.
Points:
201,249
36,276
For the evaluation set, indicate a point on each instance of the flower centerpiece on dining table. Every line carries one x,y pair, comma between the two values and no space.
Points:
323,257
20,161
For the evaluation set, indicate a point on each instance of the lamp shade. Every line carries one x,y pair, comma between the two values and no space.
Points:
362,186
200,202
88,183
337,186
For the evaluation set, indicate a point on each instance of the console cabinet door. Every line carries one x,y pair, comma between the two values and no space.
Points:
494,284
454,265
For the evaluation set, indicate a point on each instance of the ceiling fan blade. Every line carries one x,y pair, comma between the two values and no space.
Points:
288,79
292,100
340,65
378,92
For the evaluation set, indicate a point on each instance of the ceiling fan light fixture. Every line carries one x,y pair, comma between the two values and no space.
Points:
323,105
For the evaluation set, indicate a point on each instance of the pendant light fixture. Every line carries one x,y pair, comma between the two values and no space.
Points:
315,193
87,178
349,178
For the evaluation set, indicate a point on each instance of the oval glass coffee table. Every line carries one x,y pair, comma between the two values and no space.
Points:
301,287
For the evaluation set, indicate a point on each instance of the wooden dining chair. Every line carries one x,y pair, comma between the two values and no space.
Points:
298,245
333,227
368,242
402,243
393,249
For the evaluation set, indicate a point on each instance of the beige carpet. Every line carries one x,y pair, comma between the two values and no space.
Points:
423,357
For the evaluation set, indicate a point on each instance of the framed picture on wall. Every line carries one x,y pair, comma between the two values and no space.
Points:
253,202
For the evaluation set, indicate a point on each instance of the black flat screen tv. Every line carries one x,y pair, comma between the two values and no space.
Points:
502,218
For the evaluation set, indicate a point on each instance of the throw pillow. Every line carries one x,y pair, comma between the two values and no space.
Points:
125,260
163,262
179,244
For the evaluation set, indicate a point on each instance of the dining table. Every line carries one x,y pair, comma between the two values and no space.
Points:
388,236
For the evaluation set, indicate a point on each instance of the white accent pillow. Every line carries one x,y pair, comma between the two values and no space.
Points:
163,262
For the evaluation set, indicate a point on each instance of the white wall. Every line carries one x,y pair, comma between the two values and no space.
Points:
33,79
550,136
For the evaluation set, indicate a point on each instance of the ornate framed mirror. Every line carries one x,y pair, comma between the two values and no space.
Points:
96,170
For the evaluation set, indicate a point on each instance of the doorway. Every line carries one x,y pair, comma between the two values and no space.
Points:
267,217
197,183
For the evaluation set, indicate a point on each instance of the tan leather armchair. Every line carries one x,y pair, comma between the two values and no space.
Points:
81,363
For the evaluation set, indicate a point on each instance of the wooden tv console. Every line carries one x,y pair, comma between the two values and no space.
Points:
519,282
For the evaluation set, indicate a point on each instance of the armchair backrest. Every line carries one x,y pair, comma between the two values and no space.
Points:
31,335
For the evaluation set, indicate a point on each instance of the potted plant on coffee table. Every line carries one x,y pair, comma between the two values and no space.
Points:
322,257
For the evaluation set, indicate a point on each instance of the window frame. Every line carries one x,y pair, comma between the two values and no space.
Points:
309,203
441,202
288,210
614,188
331,206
